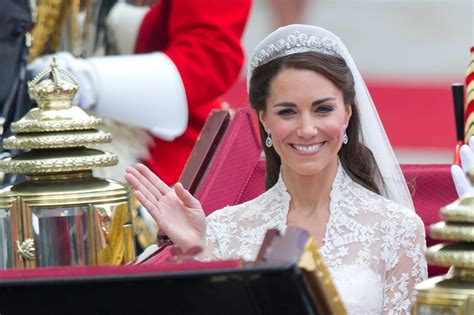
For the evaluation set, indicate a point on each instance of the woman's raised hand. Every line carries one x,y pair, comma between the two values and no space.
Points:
178,214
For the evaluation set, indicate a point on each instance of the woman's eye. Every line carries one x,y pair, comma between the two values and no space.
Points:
324,109
286,112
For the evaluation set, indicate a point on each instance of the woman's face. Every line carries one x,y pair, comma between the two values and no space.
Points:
306,116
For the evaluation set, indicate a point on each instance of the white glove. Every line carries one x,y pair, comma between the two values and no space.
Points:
461,182
82,70
144,91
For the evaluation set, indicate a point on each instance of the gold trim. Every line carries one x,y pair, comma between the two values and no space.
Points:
26,249
56,125
47,141
460,210
59,176
463,273
16,231
319,280
58,165
470,88
470,67
452,232
470,96
450,255
468,130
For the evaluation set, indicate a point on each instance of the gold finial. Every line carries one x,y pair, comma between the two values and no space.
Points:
55,92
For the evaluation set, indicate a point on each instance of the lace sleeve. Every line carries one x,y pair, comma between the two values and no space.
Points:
211,250
407,265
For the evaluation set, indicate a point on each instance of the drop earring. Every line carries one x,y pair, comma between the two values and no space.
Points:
268,141
345,138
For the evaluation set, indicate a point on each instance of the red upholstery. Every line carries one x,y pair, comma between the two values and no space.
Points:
236,174
234,167
106,271
431,187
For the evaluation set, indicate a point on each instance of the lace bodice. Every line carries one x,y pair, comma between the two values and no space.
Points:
373,247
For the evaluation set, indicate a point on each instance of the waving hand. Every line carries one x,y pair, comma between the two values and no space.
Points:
178,214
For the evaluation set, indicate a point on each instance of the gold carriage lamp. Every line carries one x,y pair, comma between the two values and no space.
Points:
452,293
61,215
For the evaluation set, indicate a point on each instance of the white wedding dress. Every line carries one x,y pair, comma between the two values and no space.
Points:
373,247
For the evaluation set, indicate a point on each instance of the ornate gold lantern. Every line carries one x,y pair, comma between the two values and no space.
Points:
61,214
452,293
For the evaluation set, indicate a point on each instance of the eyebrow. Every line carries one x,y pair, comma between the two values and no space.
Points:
316,102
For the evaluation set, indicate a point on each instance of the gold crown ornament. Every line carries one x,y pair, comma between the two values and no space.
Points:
61,214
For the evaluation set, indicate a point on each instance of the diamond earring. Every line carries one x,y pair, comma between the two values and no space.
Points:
345,138
268,141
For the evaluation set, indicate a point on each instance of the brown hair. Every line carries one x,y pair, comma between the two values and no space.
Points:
356,159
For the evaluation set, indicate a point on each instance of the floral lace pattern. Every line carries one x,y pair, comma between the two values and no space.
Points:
373,247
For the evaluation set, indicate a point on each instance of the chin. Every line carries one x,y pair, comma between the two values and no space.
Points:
308,170
312,168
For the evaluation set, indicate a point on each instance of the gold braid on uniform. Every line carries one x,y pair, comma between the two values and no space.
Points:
50,18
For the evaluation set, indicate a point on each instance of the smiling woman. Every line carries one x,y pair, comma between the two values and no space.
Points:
306,117
330,170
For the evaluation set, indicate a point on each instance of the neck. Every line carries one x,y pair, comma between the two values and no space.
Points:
310,193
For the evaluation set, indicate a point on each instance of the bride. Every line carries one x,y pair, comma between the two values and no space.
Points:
330,170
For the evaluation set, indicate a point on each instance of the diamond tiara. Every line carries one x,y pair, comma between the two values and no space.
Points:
296,42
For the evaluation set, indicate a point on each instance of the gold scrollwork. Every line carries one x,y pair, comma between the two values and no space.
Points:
58,164
56,125
56,141
452,232
26,249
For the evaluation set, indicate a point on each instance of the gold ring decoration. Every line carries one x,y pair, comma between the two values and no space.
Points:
59,140
58,164
56,125
452,232
460,210
454,254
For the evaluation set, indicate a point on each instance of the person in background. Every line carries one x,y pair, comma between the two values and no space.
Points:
186,55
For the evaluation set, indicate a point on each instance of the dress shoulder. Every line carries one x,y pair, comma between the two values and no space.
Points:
238,230
370,202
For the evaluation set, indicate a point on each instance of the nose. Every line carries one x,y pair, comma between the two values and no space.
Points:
307,127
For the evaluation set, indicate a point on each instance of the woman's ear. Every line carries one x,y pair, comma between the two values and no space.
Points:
348,115
262,117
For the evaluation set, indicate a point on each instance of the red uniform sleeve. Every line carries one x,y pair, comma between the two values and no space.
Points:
202,38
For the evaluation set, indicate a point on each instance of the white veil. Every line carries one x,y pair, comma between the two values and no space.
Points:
298,38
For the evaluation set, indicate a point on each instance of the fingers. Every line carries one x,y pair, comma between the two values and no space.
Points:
467,157
460,181
185,196
138,186
148,205
155,180
471,143
138,181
